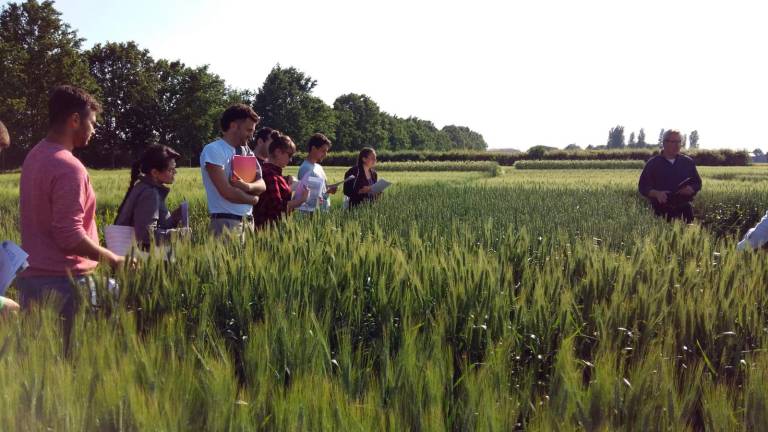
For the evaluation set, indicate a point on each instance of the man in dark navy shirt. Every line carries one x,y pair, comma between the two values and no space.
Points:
670,180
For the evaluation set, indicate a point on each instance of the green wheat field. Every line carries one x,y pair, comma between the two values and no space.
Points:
483,299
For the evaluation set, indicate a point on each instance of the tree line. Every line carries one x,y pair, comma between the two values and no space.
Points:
616,139
148,100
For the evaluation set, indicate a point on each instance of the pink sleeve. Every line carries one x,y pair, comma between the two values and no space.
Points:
68,202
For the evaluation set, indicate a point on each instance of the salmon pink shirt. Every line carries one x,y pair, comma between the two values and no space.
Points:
58,210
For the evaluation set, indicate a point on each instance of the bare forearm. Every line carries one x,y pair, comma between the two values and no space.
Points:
237,196
256,188
292,204
90,249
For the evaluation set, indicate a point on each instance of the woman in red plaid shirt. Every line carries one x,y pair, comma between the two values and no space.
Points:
276,200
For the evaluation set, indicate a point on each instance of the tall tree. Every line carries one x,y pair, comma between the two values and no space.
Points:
38,51
616,138
285,102
191,102
463,137
632,142
641,138
396,129
693,139
359,123
661,136
424,135
128,86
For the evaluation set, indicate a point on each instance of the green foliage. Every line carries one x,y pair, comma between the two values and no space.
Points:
641,138
286,103
723,157
38,51
191,101
464,137
701,157
359,123
693,140
129,95
537,152
580,164
616,138
160,101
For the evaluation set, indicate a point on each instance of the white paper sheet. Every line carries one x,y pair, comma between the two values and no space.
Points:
380,185
316,186
119,238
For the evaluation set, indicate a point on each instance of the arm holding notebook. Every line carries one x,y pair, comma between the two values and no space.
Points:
227,191
692,185
247,175
689,187
256,187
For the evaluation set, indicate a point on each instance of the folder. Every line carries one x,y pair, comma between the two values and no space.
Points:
246,167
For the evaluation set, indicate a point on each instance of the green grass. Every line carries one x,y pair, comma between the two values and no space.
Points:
537,299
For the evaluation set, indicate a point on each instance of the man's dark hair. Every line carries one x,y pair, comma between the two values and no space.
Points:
5,138
264,133
66,100
317,140
238,112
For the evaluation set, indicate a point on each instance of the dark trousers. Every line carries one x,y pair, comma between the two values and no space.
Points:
682,211
66,292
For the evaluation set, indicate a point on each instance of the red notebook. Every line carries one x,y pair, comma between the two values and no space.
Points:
246,167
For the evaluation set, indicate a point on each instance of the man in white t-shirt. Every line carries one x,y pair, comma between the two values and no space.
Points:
230,199
318,147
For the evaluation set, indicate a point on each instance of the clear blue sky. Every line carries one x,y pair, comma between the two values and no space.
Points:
521,73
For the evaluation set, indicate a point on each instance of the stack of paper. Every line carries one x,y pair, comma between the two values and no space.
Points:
315,186
12,261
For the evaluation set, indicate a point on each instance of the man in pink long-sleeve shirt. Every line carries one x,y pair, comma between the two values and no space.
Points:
58,207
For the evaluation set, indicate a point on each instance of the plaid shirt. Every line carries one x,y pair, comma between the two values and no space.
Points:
274,201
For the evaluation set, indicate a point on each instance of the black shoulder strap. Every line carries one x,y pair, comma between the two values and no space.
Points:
243,151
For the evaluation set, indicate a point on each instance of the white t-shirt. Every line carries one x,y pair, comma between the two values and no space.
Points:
220,153
309,169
